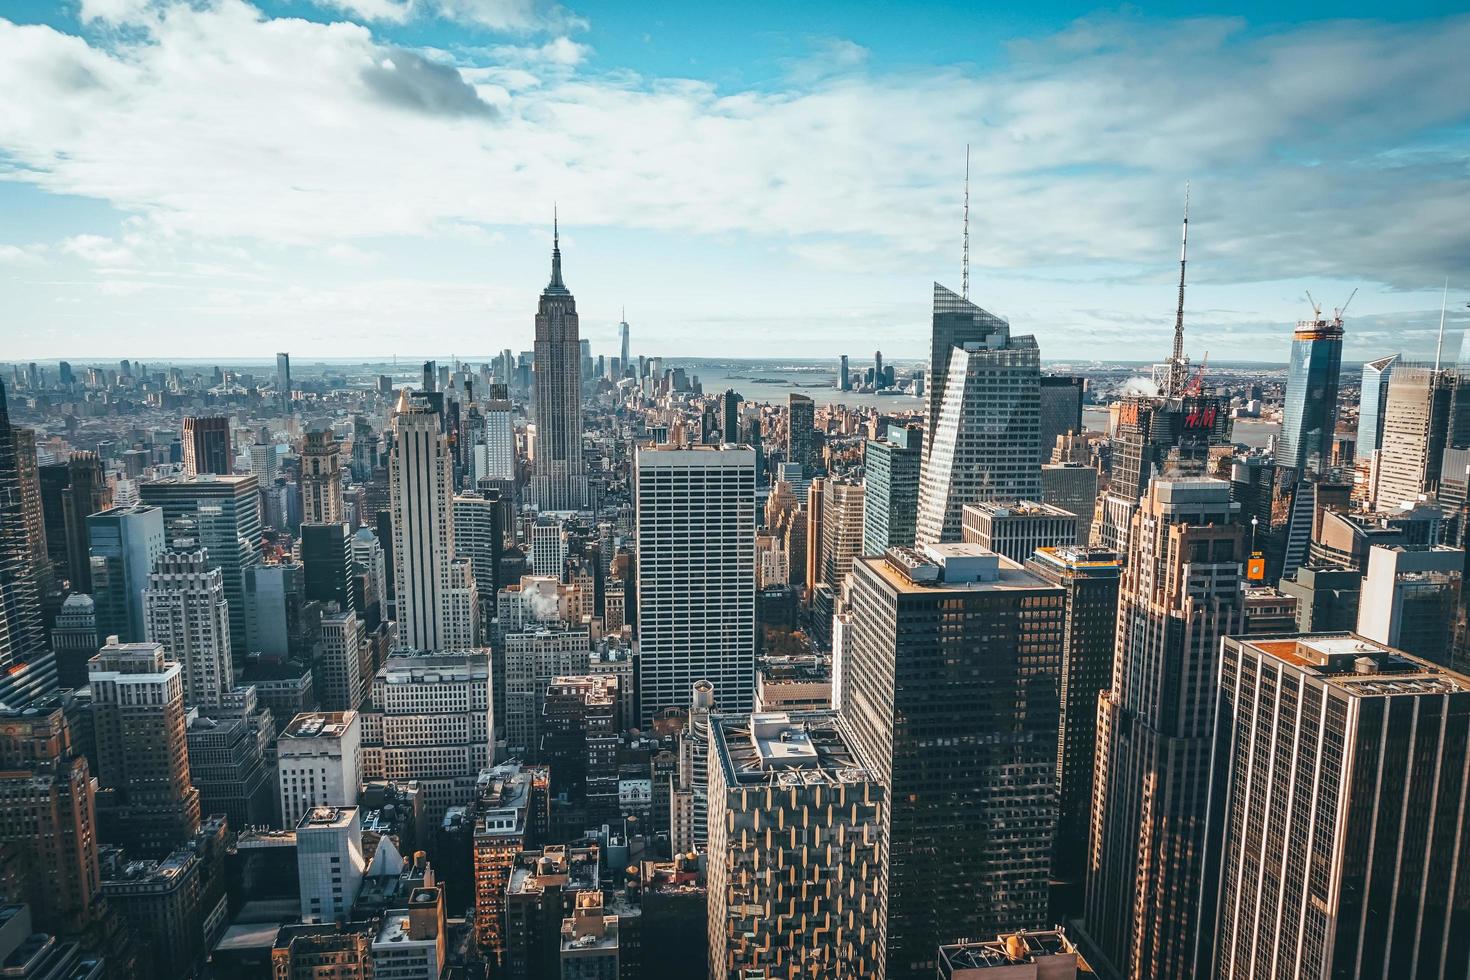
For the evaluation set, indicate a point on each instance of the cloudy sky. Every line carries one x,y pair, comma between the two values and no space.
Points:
373,177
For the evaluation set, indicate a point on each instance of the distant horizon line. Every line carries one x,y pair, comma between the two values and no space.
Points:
417,359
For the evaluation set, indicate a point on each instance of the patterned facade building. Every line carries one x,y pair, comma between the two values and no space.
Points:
796,826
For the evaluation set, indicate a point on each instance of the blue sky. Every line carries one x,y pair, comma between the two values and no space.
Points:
376,177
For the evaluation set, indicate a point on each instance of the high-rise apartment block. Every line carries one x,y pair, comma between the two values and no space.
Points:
184,608
842,529
340,681
795,850
146,802
801,434
695,512
949,679
319,763
431,720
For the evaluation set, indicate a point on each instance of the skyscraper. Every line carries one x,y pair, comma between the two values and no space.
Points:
842,529
1409,599
1309,418
623,336
1426,413
124,544
50,815
949,697
891,488
797,773
985,435
327,566
844,379
1061,409
493,447
207,445
321,479
1372,404
226,514
1089,580
695,512
730,416
23,652
185,610
559,481
1181,593
429,581
70,492
147,802
801,433
1340,837
957,322
1017,528
283,382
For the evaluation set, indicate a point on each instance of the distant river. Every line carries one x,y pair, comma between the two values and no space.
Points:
767,384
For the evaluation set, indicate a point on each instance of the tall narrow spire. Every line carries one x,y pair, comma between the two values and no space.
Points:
1443,302
1176,361
965,273
555,251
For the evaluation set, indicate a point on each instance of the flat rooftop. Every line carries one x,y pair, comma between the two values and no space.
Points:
320,724
1360,666
910,571
327,817
785,748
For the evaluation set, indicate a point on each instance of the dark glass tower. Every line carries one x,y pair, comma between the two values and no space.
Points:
559,481
207,446
1061,410
801,433
27,669
891,488
1310,415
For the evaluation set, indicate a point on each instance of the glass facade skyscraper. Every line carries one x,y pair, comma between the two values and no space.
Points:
1372,403
891,488
1310,414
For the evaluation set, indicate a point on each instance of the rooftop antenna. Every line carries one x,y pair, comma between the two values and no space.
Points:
965,275
1176,363
1439,347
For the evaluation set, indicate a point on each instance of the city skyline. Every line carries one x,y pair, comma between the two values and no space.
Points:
267,230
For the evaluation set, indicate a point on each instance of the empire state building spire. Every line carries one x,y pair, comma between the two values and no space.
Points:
556,285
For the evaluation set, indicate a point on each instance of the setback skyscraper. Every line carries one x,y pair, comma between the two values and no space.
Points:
321,479
559,481
1309,418
1181,593
437,602
185,610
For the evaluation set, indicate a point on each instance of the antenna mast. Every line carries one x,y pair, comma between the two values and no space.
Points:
1439,348
965,275
1176,363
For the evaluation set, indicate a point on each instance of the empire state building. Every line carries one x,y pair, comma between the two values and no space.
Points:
559,481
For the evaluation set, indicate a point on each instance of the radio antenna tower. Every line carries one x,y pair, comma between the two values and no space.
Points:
1177,371
965,274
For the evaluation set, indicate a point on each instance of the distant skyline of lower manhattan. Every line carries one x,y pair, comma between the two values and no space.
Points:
225,179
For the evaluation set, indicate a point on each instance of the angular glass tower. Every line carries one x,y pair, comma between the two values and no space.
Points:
1371,404
1310,414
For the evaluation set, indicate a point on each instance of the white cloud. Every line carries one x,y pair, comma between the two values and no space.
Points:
514,16
1321,150
22,255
